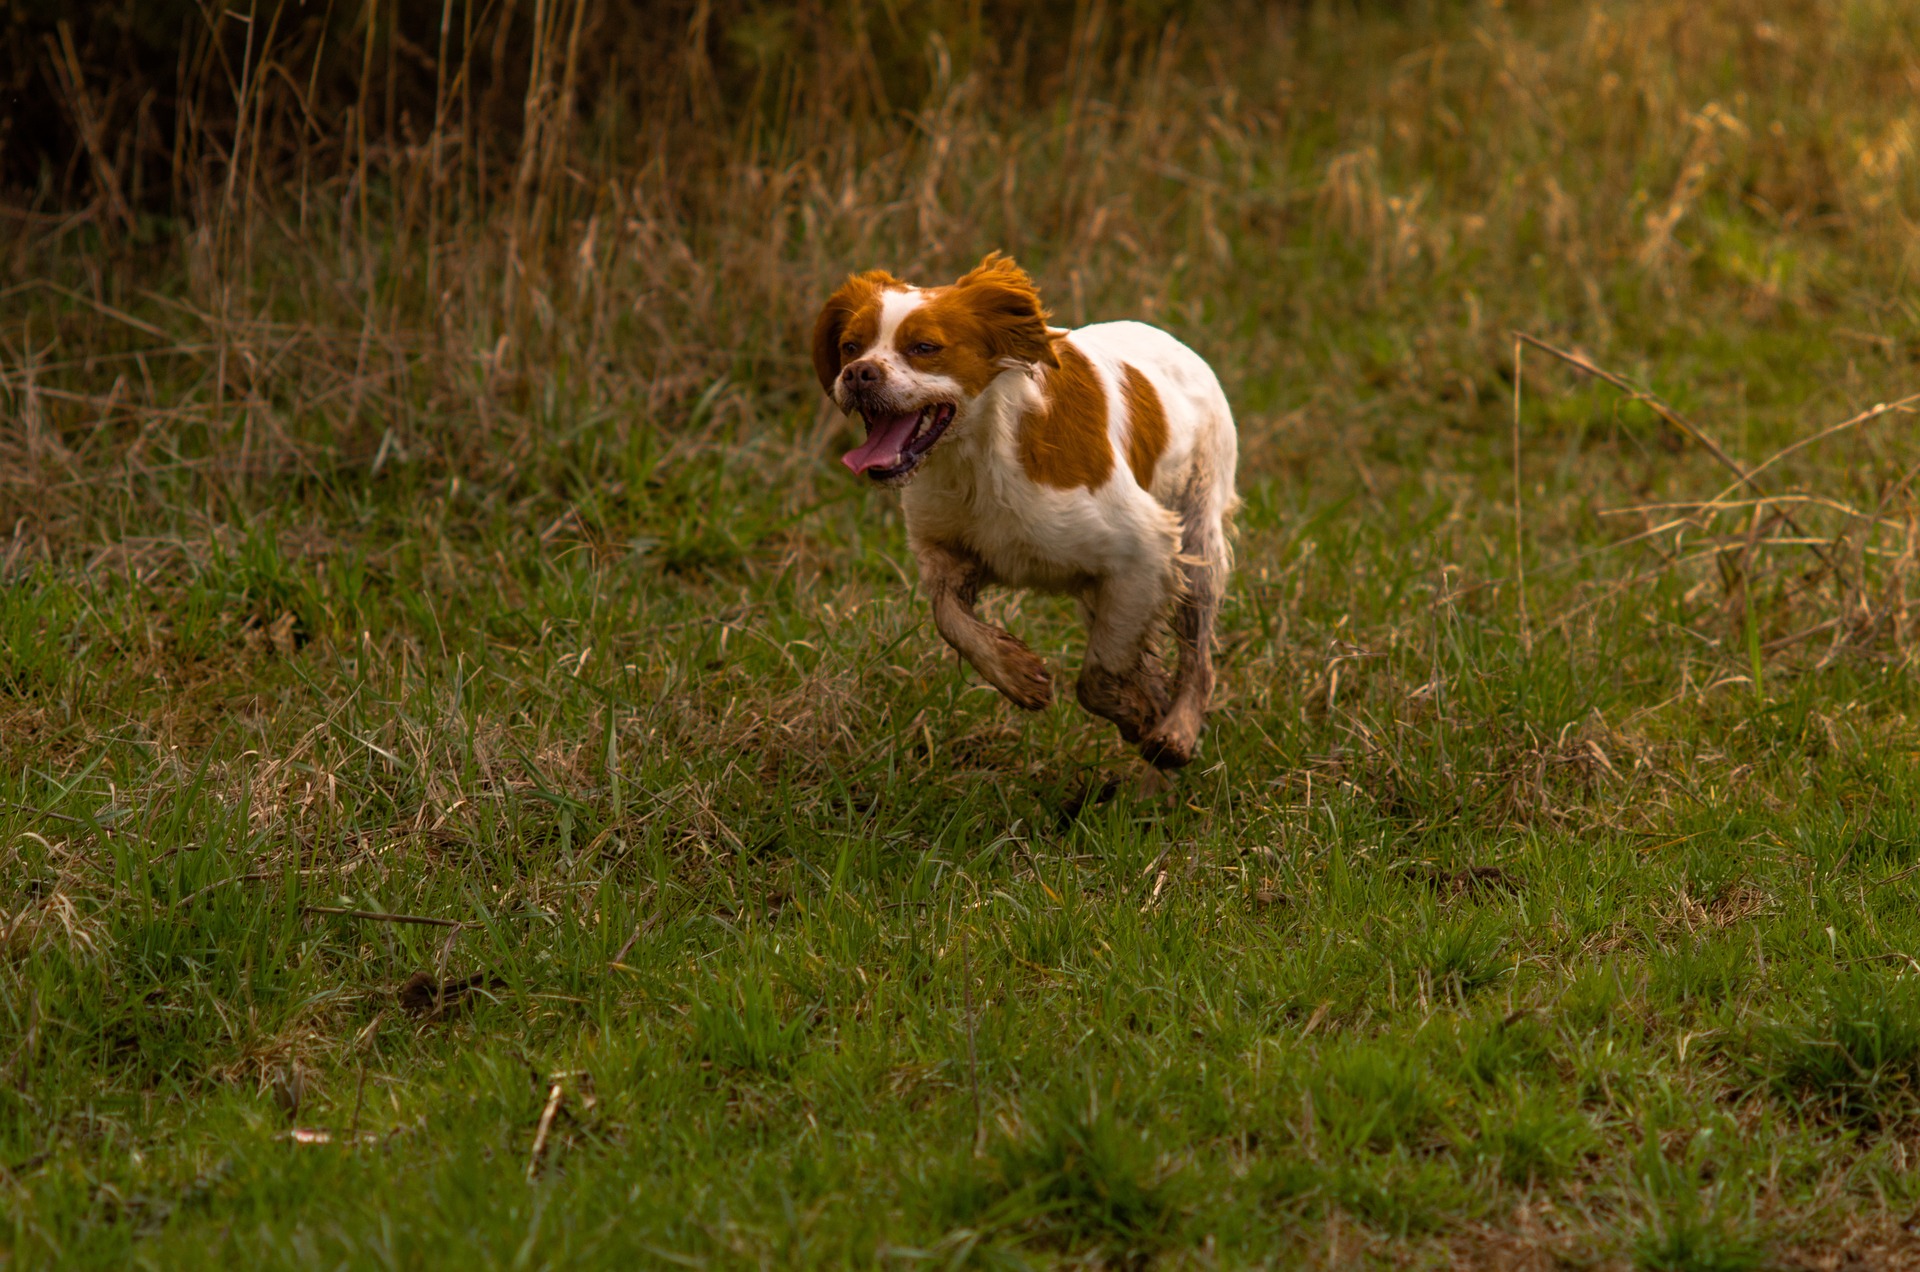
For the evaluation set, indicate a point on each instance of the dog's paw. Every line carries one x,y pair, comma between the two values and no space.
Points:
1023,676
1173,742
1134,703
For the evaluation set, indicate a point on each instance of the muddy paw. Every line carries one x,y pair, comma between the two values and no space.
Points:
1023,677
1171,744
1134,703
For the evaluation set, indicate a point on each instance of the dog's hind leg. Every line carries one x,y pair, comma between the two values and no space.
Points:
1203,562
953,580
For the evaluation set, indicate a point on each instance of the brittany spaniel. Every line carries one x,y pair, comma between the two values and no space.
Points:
1096,462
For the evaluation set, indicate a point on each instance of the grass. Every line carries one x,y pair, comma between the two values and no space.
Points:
478,786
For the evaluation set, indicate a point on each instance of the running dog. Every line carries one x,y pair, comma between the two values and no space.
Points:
1097,462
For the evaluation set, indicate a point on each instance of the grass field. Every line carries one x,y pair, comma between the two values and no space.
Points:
478,786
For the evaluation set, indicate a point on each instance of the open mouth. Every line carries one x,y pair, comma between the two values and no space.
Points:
896,444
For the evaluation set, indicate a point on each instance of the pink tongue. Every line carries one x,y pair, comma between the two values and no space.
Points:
883,445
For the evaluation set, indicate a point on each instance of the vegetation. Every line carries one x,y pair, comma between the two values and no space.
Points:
477,785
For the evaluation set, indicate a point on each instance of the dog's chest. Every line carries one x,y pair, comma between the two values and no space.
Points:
1024,542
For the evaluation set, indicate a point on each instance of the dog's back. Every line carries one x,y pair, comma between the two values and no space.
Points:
1199,430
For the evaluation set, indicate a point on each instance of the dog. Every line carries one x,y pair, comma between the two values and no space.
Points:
1097,462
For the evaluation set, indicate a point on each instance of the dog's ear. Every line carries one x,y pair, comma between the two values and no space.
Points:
854,295
1007,303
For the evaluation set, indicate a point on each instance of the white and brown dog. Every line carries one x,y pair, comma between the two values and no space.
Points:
1096,462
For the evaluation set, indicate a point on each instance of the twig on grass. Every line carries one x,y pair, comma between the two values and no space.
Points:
973,1064
626,947
1717,505
547,1114
249,877
1794,638
1904,406
1153,898
1895,956
1652,401
1743,477
359,1094
1519,516
377,916
43,812
1313,1021
1908,873
440,968
639,929
1653,848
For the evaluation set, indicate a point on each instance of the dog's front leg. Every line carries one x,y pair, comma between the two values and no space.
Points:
953,580
1122,679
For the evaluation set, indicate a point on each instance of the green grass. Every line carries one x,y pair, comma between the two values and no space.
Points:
781,806
1479,933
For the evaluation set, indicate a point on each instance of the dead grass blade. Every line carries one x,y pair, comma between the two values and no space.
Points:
1666,412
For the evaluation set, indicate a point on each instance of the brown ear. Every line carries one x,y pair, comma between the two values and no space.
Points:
854,294
1008,303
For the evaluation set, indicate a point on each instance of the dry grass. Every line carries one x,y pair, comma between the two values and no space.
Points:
434,292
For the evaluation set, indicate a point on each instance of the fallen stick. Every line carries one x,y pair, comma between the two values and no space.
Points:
1670,415
376,916
1904,405
1653,402
546,1125
43,812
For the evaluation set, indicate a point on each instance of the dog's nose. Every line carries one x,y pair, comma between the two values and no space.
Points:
861,374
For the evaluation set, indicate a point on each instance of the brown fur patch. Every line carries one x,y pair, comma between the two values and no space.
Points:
964,341
991,315
1146,424
850,314
1066,445
1005,305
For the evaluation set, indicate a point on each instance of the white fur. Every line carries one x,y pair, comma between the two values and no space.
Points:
972,489
894,308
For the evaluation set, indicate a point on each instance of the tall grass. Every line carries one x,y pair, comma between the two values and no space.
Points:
1348,211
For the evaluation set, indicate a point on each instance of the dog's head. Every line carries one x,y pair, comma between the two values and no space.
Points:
911,361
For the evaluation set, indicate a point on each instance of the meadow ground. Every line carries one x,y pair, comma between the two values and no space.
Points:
477,786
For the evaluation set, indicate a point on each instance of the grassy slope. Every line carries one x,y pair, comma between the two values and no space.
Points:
1479,932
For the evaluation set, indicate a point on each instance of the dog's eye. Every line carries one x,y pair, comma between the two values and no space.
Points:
922,350
850,347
